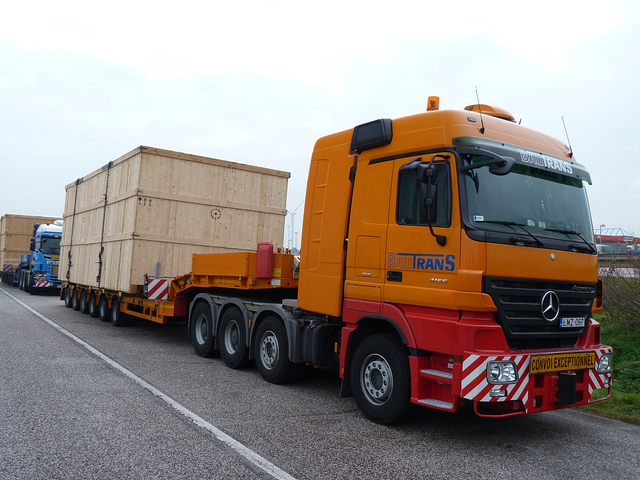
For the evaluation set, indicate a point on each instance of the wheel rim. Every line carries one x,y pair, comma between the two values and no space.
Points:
232,337
202,329
269,350
376,379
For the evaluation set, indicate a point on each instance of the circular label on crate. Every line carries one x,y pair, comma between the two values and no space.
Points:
216,213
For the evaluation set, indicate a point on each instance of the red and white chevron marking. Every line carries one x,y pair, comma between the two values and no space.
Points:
597,380
475,386
474,379
42,284
7,268
158,289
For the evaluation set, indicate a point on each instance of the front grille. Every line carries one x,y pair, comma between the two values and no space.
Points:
520,313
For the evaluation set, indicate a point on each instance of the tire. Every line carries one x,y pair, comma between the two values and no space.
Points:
32,285
83,303
103,309
232,336
380,379
271,348
118,319
67,297
93,306
21,282
26,281
201,330
75,299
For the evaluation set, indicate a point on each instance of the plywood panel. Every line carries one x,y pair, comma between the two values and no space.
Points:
161,207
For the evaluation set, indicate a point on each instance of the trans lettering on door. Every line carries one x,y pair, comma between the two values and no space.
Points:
421,261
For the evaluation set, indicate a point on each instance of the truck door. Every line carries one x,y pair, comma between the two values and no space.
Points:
423,238
367,233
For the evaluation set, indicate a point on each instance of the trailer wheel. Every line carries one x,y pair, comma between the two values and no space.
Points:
233,339
380,377
118,319
67,297
93,306
83,305
271,348
21,281
201,330
103,309
75,299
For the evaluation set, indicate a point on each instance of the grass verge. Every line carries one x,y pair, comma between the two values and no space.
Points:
624,403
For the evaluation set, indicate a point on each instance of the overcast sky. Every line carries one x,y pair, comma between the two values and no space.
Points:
82,83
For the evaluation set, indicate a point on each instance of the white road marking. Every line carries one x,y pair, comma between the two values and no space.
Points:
231,442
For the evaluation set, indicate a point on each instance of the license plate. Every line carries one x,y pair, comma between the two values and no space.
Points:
572,322
562,362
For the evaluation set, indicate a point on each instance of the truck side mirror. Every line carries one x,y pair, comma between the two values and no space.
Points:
503,167
32,245
428,175
430,203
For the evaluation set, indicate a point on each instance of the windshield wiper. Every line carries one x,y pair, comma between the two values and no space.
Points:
511,224
568,232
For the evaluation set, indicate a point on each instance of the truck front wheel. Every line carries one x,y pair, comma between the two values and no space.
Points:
33,290
201,330
271,350
233,338
379,377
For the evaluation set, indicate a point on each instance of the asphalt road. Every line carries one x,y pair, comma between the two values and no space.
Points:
83,399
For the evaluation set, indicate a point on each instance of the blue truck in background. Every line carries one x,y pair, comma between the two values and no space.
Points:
38,269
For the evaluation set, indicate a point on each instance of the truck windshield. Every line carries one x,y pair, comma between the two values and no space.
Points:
50,245
537,204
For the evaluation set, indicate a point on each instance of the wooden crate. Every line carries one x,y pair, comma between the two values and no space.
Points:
162,207
15,236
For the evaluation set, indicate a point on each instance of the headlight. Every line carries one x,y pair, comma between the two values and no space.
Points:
501,372
606,363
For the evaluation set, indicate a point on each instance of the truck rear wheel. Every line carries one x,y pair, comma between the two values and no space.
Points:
93,306
379,377
272,352
201,330
232,334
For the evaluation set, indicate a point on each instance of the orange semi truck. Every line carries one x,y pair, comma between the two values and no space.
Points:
447,259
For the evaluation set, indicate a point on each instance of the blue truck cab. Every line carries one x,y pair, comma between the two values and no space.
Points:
42,270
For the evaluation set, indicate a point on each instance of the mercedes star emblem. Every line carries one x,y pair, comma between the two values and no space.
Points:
550,306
